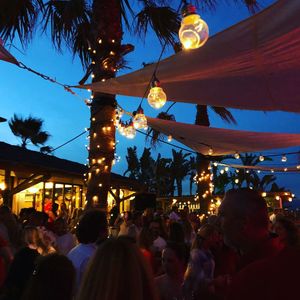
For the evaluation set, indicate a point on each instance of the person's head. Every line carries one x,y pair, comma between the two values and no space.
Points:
31,236
20,272
155,229
91,227
176,232
60,226
117,271
175,208
287,231
243,218
174,258
207,237
145,239
38,218
53,278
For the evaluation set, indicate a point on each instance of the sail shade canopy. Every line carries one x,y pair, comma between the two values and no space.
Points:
253,65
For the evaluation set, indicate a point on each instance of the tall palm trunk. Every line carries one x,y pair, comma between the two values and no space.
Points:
202,162
105,51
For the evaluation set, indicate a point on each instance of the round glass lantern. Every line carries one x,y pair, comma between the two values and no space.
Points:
140,121
157,97
130,131
193,32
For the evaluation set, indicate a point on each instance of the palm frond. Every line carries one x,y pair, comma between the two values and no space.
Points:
252,5
204,5
164,21
18,17
225,114
154,135
126,7
64,18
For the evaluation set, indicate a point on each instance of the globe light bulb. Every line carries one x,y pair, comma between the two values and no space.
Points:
210,151
193,32
236,156
157,97
170,138
140,120
130,131
261,158
283,158
121,128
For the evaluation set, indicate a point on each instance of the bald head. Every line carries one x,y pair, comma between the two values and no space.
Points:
243,217
247,203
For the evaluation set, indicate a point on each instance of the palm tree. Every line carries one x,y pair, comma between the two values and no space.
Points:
164,183
180,168
133,166
93,30
29,130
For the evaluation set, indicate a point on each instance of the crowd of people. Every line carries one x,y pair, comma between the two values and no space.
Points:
239,254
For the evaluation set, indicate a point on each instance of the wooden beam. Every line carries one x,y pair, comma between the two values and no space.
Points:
30,181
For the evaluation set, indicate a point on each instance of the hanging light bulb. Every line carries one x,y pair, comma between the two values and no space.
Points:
236,155
193,32
170,138
210,151
130,131
283,158
139,120
156,97
121,128
261,158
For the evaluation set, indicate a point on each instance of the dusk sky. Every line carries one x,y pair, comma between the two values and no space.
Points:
65,115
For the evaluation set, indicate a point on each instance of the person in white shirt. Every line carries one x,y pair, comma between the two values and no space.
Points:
92,227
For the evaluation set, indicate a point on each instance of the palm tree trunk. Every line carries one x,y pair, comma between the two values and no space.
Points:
202,163
179,187
105,51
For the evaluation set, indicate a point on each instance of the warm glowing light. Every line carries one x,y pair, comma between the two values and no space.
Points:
236,156
130,131
170,138
193,31
264,194
236,181
261,158
290,199
210,151
157,97
33,190
140,120
283,158
2,186
277,198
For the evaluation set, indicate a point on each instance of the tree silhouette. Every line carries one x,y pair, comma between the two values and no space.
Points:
29,130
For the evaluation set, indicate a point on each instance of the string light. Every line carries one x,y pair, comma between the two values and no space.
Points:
193,32
283,158
139,119
210,151
236,155
156,97
170,138
130,131
261,158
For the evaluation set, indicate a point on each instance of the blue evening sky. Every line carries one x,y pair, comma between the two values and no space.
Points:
65,115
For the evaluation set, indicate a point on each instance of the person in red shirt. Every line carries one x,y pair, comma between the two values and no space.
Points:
267,271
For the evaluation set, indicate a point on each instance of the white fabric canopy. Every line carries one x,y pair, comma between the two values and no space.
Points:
253,65
223,141
6,56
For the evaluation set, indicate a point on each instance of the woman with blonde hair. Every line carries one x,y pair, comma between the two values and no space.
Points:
117,271
34,239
